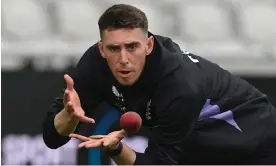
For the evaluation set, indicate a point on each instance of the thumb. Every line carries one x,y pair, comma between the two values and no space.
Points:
69,82
106,141
69,107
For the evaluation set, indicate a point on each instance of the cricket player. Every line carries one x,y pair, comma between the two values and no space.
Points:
197,112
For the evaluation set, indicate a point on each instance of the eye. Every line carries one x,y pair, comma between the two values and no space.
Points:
132,47
114,49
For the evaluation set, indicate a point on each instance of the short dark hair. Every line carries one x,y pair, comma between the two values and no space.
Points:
123,16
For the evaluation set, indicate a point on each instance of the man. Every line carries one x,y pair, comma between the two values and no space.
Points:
197,112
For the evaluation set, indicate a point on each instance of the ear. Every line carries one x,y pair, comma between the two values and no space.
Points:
100,45
150,45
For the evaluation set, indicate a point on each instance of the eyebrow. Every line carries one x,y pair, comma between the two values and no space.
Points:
126,44
112,46
132,43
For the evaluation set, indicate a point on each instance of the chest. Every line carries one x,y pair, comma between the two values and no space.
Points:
141,102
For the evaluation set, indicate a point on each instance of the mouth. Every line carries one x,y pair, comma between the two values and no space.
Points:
124,73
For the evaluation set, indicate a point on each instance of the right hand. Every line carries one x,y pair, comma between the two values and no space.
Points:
72,102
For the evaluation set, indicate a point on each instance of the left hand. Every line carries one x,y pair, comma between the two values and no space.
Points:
110,141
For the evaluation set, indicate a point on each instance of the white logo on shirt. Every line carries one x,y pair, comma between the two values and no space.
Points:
120,97
190,57
117,94
148,116
185,52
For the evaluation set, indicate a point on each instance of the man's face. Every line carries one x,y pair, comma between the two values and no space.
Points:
125,51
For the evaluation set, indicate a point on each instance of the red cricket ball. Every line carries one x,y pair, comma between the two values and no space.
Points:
131,122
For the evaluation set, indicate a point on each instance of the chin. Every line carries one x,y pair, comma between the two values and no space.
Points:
126,82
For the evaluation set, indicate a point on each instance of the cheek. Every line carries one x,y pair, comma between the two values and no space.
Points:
112,61
138,62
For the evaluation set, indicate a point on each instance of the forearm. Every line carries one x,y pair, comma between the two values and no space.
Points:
130,157
64,124
126,157
51,137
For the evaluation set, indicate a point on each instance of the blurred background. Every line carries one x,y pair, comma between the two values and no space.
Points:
43,39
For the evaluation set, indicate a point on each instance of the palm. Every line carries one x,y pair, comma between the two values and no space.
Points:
74,98
116,136
110,140
72,102
100,141
76,103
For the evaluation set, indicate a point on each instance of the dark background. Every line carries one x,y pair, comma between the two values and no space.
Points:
41,33
26,95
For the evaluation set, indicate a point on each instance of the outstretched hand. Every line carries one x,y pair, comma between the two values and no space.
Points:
110,141
72,102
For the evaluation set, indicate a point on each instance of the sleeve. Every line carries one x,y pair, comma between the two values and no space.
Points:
88,95
169,138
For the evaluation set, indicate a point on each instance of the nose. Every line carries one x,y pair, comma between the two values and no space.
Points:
123,57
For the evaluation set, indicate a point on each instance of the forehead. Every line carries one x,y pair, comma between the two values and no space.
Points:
123,36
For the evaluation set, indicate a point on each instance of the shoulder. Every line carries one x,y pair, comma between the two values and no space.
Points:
91,68
91,63
178,101
91,59
181,87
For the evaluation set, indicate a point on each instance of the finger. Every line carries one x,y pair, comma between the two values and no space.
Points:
96,144
96,136
69,82
83,144
66,96
122,134
80,137
85,119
